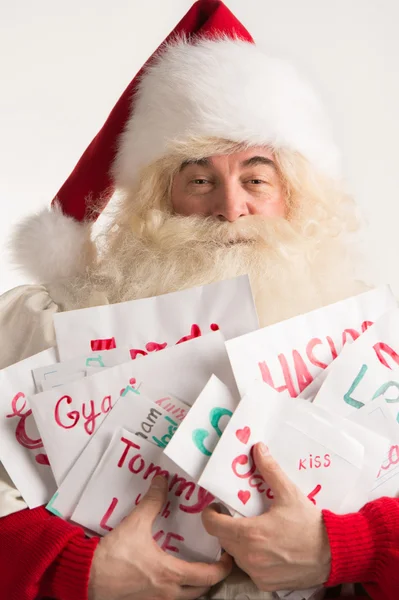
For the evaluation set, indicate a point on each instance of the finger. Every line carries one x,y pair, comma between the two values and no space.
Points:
220,525
153,501
203,574
280,484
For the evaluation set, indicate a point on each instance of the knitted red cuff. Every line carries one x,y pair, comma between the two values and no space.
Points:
70,574
357,544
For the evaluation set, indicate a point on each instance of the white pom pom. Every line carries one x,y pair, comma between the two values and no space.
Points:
50,246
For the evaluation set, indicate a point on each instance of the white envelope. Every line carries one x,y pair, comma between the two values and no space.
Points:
151,324
289,355
21,449
69,415
58,379
134,412
377,417
317,456
121,479
311,391
177,409
360,377
56,374
197,436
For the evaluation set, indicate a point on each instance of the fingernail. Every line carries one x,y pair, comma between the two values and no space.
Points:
263,449
159,481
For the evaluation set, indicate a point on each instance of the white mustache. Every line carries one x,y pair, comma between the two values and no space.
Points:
208,230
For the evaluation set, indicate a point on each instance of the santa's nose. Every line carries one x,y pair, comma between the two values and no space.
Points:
230,204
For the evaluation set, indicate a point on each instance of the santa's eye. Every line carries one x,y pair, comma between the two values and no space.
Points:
200,181
256,181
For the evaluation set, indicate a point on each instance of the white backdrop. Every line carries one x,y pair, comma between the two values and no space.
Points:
64,65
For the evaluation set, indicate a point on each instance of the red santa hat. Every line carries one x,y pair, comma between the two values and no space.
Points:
207,79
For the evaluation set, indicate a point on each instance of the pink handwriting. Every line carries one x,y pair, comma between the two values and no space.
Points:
256,481
393,460
108,344
155,346
196,498
297,376
19,410
165,511
314,462
176,411
108,514
165,546
380,349
68,420
314,493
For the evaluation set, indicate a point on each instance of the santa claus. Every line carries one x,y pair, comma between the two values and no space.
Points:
220,162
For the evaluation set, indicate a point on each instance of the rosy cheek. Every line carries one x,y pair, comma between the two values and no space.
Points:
187,205
277,210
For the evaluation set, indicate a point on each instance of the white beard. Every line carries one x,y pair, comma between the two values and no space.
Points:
289,273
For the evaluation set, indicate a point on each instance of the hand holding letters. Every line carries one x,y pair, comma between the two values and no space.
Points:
129,563
266,547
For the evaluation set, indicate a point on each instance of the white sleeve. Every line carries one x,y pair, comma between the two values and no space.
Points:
26,327
26,323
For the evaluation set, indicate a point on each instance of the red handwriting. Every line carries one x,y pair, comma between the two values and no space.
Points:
108,344
68,420
168,536
392,461
197,498
256,481
107,515
314,462
297,376
19,410
380,349
130,388
165,511
155,346
168,406
314,493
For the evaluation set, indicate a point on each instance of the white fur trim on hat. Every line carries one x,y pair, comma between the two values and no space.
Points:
227,89
50,246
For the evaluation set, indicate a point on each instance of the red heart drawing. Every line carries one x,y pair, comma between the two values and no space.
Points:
42,459
244,496
243,434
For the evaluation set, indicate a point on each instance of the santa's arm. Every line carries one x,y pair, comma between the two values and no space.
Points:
365,547
43,556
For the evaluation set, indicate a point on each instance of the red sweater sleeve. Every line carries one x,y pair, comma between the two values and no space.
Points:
365,548
42,555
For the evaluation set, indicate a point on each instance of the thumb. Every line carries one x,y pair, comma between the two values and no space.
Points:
150,505
281,486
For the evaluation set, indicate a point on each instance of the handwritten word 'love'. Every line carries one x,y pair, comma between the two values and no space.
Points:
167,537
385,390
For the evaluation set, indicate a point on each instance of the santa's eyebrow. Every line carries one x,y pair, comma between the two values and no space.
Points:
201,162
254,161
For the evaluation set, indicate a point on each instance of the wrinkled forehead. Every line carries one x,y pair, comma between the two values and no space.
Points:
252,157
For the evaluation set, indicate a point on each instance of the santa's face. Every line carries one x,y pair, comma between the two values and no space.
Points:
230,186
268,215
